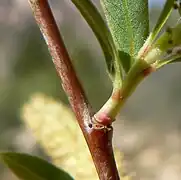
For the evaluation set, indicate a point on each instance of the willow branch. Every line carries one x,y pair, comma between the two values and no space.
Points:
99,140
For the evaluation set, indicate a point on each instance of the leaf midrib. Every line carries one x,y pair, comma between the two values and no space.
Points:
130,28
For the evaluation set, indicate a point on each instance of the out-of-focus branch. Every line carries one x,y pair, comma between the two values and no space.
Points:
99,140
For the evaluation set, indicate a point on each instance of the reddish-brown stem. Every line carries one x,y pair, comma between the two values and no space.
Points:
99,140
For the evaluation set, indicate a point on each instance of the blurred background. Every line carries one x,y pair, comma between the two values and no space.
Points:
148,129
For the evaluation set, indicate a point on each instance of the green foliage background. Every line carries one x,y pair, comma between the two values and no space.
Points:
26,67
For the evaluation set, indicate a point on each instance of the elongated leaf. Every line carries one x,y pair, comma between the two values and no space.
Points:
169,39
28,167
163,18
96,22
167,48
129,25
174,59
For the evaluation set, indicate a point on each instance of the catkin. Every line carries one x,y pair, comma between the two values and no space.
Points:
55,128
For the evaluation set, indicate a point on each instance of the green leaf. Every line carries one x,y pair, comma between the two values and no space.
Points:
28,167
167,48
129,24
174,59
163,18
100,29
169,39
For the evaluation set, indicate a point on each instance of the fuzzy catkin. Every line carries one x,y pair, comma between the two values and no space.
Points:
55,128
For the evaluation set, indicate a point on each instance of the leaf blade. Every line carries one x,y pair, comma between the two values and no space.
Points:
129,24
100,29
167,48
163,18
28,167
